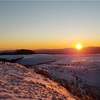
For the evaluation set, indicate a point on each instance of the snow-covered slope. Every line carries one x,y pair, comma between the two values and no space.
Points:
83,76
78,73
20,83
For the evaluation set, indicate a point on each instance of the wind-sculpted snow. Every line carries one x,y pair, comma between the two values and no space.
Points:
20,83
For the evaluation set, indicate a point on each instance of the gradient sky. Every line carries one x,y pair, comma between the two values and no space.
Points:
41,24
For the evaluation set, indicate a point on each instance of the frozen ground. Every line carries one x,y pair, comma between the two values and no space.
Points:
80,74
10,57
20,83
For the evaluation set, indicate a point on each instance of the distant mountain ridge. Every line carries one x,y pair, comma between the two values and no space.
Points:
87,50
17,52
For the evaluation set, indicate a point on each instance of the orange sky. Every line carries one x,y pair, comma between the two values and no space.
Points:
50,25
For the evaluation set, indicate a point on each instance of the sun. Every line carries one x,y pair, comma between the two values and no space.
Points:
78,46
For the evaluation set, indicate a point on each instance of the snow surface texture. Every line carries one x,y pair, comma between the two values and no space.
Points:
80,71
20,83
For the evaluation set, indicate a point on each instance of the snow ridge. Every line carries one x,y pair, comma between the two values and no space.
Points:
20,83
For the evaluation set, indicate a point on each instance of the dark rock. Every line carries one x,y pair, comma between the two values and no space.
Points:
17,52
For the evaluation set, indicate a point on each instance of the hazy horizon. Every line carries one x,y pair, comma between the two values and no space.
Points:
48,48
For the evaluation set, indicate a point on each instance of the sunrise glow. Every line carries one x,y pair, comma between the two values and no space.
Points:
49,25
78,46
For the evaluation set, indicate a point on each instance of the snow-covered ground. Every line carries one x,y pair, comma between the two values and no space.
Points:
61,59
81,72
10,57
20,83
